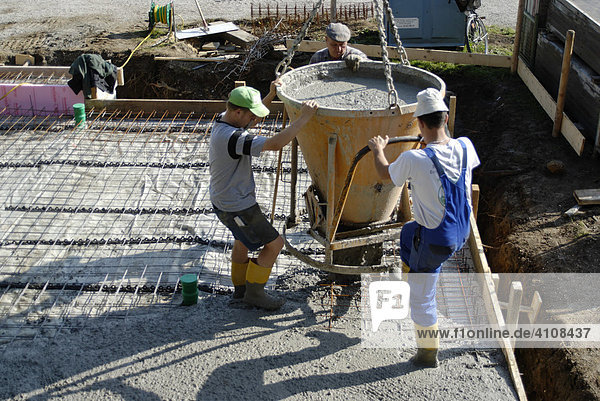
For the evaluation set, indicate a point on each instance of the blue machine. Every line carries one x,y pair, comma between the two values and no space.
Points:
427,23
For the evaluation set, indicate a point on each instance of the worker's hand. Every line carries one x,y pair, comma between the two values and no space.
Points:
353,62
378,143
309,108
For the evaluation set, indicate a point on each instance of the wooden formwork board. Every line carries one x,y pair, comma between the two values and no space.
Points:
168,106
568,129
493,306
488,60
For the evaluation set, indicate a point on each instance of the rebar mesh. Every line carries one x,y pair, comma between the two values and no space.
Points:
100,221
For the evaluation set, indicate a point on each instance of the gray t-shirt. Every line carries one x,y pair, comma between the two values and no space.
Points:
323,55
230,154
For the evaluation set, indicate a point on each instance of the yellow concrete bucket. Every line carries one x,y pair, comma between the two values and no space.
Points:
355,107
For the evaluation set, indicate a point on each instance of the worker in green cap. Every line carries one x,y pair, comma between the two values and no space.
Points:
232,190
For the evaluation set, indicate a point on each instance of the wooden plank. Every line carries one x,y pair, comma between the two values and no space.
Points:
489,60
475,198
568,129
167,105
24,59
587,196
583,93
493,307
240,37
331,226
223,57
36,70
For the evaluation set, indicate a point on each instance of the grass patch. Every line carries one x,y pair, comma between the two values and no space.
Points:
500,40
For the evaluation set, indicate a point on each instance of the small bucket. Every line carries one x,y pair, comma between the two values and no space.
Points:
79,113
189,289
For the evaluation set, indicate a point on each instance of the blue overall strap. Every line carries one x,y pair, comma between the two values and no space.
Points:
429,152
454,227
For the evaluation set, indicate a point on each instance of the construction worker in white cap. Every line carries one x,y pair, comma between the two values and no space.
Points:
440,178
337,48
232,190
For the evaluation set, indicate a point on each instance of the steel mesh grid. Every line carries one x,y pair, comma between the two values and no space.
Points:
110,180
39,78
99,220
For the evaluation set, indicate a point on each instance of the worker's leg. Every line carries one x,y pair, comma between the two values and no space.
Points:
252,231
268,255
258,275
239,265
425,262
406,240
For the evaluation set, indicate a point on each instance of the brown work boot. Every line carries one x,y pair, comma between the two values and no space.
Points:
425,358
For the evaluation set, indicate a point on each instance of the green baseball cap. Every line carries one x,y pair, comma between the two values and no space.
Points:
245,96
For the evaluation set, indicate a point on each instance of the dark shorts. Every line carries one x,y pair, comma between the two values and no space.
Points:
249,226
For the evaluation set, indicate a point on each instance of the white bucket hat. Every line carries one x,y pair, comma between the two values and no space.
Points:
429,101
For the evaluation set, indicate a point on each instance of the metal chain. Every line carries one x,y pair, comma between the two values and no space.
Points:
392,94
399,47
284,64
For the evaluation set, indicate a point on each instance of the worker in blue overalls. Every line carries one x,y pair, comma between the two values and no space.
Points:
440,183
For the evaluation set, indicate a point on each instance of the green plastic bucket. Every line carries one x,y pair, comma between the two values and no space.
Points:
189,289
79,113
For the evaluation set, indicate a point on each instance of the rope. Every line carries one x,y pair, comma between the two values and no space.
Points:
7,93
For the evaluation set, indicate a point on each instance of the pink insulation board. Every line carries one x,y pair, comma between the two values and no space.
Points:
35,99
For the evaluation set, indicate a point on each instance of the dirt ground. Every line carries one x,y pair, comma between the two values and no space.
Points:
522,206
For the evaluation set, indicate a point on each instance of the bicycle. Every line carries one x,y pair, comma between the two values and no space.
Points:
476,34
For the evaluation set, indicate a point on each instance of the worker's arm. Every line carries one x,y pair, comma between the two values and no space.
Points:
377,144
281,139
272,93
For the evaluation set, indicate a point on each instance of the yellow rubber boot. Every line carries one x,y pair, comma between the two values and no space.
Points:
238,278
428,343
405,271
256,278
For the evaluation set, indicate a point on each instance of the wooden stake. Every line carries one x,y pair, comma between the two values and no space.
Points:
475,198
283,124
564,79
596,149
333,11
452,115
120,77
514,302
517,44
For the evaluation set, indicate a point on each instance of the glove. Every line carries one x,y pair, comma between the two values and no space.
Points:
353,62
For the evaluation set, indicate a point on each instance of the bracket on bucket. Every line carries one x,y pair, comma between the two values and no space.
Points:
328,222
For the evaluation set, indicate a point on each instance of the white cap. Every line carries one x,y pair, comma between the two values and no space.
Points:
429,101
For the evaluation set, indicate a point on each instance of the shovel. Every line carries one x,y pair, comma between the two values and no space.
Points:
206,29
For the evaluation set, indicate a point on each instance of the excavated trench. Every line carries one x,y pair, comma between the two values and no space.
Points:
548,374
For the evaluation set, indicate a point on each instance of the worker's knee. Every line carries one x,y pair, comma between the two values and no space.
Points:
276,245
